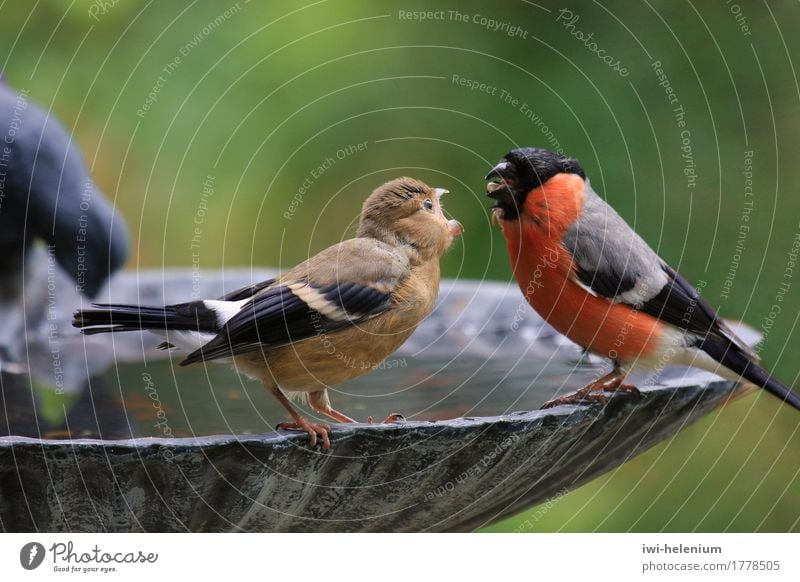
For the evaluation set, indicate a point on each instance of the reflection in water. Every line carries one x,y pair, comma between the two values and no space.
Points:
31,409
161,399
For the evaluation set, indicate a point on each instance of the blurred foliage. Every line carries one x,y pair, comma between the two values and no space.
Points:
267,91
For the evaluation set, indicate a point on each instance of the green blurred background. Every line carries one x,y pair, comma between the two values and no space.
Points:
265,92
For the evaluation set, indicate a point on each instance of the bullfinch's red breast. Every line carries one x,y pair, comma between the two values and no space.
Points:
330,319
589,275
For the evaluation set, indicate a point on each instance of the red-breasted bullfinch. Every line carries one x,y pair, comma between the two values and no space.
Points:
586,272
330,319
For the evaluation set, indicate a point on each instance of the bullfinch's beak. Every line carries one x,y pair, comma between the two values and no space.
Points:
498,187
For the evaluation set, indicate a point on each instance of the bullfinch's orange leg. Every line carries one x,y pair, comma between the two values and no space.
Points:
594,392
313,429
319,403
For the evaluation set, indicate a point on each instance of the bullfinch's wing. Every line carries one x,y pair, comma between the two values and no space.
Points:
340,287
612,261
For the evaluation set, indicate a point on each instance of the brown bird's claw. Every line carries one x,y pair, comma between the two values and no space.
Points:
313,429
393,417
595,392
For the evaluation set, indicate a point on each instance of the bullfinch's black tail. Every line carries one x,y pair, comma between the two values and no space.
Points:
734,359
194,316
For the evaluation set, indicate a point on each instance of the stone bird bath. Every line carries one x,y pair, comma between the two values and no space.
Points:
108,434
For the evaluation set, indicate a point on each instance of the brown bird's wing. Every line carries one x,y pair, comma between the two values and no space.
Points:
340,287
237,295
247,292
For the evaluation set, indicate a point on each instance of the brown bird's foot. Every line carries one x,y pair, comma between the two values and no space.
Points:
313,429
393,417
320,402
595,392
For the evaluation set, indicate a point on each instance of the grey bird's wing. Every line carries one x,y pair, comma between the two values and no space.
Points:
343,285
612,261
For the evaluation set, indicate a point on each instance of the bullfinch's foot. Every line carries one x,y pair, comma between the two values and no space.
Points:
597,391
393,417
313,429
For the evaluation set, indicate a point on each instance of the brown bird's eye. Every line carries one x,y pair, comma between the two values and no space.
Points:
428,205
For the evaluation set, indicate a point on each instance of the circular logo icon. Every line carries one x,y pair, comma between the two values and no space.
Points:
31,555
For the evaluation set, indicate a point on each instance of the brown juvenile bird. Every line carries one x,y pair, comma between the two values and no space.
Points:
330,319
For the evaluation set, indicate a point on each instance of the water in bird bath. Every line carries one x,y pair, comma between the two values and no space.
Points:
482,352
161,399
214,400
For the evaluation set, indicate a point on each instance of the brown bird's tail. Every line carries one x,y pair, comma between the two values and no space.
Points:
107,318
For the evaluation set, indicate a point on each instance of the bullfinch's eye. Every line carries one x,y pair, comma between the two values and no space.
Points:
428,205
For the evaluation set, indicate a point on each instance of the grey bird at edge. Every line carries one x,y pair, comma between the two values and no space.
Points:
47,196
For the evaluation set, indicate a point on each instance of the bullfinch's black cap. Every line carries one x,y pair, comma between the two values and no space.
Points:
523,169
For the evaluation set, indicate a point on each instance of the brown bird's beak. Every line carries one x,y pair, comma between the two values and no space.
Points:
454,227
